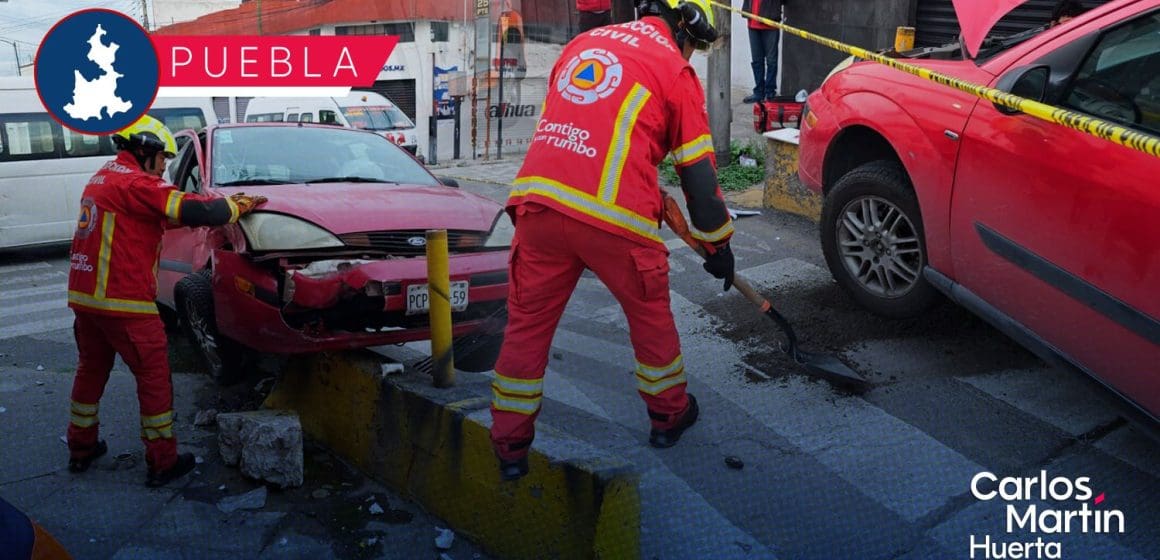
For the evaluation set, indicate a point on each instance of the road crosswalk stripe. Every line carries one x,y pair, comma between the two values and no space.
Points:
54,275
13,268
36,327
8,311
20,293
1049,394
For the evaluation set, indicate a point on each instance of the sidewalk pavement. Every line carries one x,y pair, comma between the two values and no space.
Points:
108,512
503,171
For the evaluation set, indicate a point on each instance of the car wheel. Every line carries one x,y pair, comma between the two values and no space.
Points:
225,358
872,238
477,353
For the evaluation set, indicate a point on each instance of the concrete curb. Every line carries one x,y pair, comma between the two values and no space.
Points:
434,445
783,190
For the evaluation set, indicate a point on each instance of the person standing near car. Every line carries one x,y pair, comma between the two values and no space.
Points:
594,13
112,285
587,197
763,47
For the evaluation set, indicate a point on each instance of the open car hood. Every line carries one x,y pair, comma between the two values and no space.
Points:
977,17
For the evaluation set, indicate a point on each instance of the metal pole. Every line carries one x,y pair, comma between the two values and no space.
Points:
720,91
502,64
433,121
458,100
439,309
16,51
145,13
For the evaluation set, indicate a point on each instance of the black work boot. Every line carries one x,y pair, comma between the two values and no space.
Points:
185,463
82,464
668,438
513,470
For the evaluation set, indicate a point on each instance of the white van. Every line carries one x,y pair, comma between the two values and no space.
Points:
366,110
44,166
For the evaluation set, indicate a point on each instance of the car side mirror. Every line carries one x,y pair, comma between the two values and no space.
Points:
449,181
1029,82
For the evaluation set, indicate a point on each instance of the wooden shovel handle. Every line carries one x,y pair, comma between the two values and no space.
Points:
676,221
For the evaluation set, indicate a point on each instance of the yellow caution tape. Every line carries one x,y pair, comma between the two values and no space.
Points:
1076,121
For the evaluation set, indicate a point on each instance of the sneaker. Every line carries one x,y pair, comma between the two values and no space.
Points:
753,98
668,438
513,470
185,463
82,464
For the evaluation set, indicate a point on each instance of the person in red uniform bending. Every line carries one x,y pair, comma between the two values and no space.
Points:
620,99
112,285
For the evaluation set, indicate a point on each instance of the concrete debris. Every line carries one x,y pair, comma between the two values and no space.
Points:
285,541
39,368
3,410
375,509
265,444
734,462
320,494
222,488
254,499
445,539
40,384
205,417
199,459
392,368
64,440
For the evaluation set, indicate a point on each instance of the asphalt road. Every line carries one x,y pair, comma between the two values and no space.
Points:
826,474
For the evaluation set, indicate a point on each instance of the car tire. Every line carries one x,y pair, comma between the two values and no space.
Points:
477,353
873,241
225,358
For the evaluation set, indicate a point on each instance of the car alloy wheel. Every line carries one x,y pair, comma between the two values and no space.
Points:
880,246
202,333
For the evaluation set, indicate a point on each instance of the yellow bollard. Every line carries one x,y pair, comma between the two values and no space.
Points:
439,310
903,39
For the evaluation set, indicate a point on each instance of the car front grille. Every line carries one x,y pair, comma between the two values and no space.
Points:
413,242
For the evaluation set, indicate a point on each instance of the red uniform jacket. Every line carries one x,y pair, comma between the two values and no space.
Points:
620,99
117,244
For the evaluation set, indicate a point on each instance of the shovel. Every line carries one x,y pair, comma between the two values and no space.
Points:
819,365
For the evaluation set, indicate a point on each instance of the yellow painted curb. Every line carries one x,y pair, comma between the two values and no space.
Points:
783,190
434,445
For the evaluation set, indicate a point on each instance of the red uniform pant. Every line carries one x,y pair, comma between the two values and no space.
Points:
142,345
549,253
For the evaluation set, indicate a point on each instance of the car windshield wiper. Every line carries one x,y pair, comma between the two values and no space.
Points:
350,179
255,181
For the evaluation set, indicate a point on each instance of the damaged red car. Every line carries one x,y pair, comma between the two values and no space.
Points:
336,259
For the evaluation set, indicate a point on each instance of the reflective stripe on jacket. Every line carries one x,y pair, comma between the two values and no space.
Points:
620,99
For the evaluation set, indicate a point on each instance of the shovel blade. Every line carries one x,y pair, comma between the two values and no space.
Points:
829,368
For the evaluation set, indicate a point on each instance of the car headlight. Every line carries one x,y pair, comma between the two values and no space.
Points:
277,232
502,231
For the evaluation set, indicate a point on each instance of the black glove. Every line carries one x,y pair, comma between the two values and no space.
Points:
720,265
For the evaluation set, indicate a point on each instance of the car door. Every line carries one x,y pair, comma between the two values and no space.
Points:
182,248
1058,229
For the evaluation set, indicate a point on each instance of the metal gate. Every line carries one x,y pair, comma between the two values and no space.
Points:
936,23
400,92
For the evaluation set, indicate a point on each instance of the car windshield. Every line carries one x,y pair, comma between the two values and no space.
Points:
378,117
272,155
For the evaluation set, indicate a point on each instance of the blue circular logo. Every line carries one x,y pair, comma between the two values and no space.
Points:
97,72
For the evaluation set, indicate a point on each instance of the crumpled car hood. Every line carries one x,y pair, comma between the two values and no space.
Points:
348,208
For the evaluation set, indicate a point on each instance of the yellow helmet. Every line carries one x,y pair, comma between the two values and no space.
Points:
148,133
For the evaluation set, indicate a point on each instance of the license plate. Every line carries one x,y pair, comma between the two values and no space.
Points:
419,299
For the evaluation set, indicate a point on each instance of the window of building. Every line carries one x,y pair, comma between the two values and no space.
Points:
440,31
316,32
405,31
